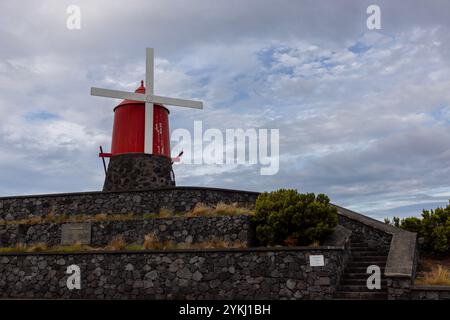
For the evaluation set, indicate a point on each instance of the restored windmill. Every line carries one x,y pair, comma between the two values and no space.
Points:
140,148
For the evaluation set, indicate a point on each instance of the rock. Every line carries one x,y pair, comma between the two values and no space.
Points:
188,239
173,267
193,260
165,259
324,281
4,260
214,284
197,276
184,274
129,267
275,273
183,283
153,275
290,284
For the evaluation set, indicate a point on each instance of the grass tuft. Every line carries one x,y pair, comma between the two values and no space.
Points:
150,241
64,218
439,275
165,213
118,243
221,209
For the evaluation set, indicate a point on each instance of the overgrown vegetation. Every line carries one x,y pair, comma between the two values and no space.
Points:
286,217
433,227
118,243
151,242
439,275
200,209
221,209
65,218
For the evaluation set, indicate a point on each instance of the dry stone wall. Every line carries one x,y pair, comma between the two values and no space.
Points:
176,229
178,199
213,274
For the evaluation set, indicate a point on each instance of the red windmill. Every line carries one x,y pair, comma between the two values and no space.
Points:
141,122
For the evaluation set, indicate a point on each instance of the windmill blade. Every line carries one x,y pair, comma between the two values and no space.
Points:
148,135
99,92
149,71
177,102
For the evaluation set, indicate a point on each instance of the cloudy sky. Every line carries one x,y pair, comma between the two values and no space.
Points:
364,115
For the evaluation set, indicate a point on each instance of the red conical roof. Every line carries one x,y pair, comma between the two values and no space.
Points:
141,89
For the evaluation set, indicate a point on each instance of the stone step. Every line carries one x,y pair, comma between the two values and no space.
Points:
369,259
355,275
364,253
359,244
366,247
359,248
345,295
379,263
363,288
361,270
358,282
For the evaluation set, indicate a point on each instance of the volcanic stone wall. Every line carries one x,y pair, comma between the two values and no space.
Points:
138,171
206,274
362,231
176,229
430,293
178,199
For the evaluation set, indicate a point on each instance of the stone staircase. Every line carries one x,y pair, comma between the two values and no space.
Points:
353,284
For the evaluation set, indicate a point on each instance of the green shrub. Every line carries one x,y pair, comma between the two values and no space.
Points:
433,227
412,224
288,217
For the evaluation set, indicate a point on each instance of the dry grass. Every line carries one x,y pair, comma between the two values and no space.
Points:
151,242
38,247
20,247
221,209
231,209
42,247
151,215
64,218
118,243
77,247
439,275
199,210
217,243
165,213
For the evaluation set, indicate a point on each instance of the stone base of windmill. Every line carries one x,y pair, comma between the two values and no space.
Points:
138,171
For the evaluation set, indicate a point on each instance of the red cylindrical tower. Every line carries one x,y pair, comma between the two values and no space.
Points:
129,128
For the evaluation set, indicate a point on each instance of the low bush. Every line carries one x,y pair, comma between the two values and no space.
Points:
286,217
433,227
